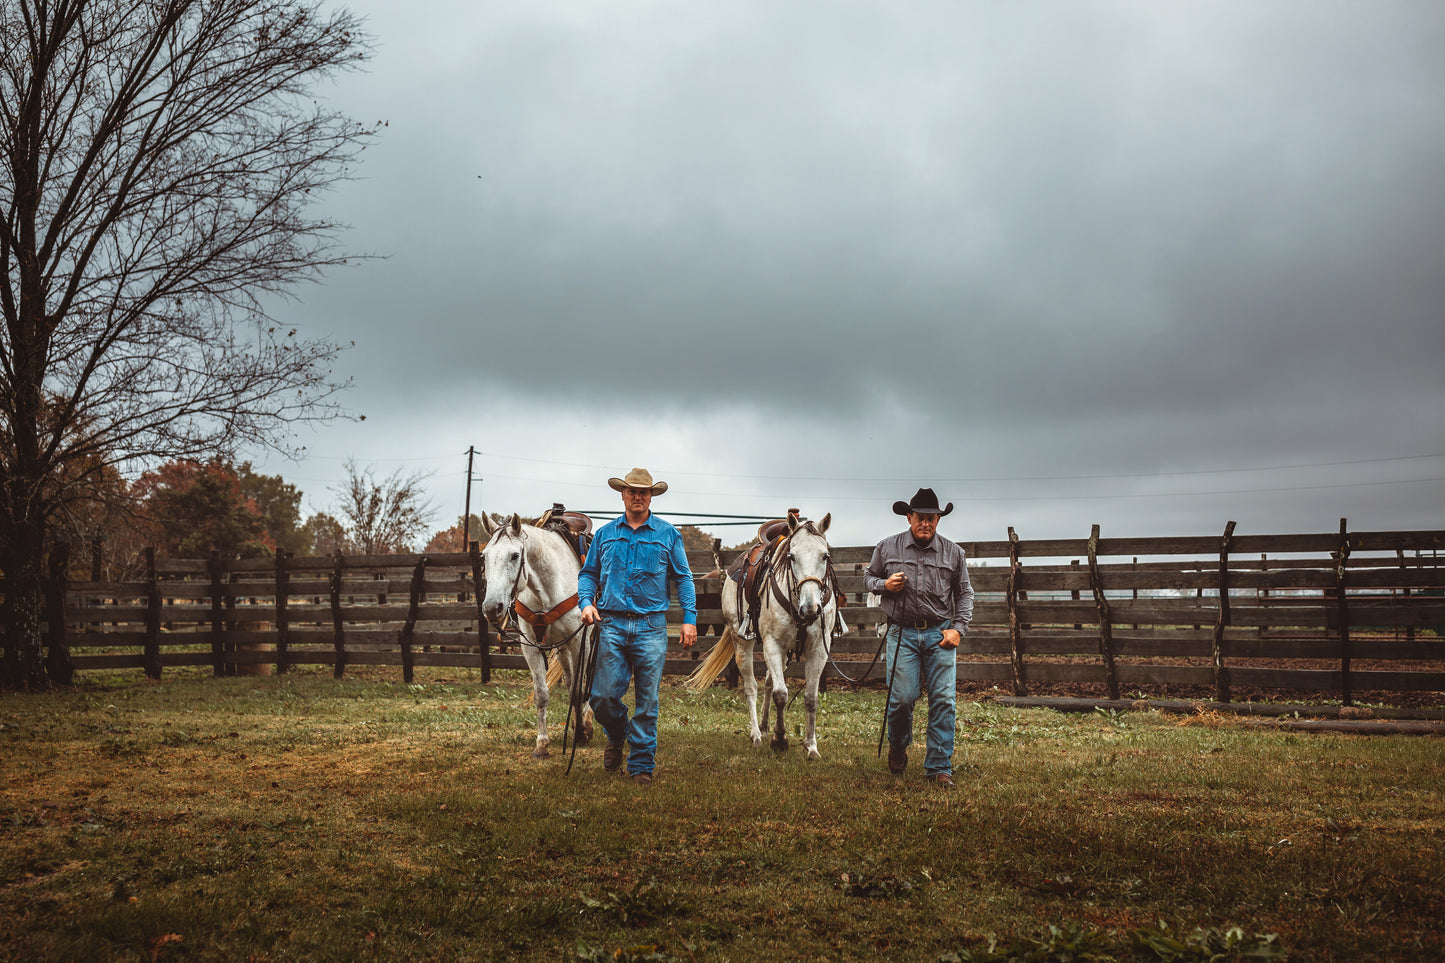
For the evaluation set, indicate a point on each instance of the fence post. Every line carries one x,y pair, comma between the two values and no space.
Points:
408,663
1016,644
96,549
1405,593
1263,593
1074,593
1346,697
232,580
1106,632
338,631
57,663
1221,674
218,616
479,589
283,624
1134,574
151,658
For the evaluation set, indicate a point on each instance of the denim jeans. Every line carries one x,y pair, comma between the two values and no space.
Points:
922,665
630,648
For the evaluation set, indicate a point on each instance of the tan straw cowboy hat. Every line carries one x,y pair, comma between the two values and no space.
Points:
637,478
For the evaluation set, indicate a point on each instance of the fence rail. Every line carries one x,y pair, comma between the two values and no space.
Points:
1335,614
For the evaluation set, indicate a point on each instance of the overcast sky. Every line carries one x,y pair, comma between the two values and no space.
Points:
1155,266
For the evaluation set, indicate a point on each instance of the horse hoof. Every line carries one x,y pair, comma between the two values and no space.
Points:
757,742
585,736
540,753
780,745
814,755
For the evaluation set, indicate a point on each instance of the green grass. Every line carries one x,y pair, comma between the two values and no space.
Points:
301,818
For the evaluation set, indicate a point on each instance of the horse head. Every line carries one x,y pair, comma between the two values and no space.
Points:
504,561
807,566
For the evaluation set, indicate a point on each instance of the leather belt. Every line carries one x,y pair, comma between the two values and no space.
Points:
923,625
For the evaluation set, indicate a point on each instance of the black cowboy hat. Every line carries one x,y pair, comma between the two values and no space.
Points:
924,502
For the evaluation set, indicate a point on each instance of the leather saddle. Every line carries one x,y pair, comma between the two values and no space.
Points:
573,526
750,569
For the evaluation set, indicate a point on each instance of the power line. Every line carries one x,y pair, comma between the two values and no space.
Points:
815,497
994,478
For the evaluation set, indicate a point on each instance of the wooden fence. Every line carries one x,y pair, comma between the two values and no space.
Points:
1334,614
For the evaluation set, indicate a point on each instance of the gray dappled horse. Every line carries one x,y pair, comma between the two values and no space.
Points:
797,615
531,578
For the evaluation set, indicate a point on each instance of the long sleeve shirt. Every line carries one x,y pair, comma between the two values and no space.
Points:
938,586
632,570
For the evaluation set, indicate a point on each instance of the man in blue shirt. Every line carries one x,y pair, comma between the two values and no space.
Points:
633,562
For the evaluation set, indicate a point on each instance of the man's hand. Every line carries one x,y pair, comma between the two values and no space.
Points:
894,582
591,615
689,636
951,638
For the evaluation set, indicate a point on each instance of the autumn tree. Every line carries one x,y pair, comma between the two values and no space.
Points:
279,504
194,509
324,535
382,517
157,160
455,538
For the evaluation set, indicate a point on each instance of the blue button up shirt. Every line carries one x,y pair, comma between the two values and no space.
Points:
633,571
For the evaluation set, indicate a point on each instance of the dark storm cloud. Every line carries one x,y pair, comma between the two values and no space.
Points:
1152,234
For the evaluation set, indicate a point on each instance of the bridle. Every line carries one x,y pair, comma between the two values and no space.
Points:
789,600
789,594
539,621
521,578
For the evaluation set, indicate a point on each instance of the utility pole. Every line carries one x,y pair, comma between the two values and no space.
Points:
467,511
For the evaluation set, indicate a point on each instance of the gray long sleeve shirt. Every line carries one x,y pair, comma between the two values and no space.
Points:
937,588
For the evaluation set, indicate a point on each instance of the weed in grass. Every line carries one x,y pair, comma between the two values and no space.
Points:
644,903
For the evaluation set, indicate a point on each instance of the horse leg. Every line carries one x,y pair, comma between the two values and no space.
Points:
773,655
537,664
817,662
743,655
578,656
571,674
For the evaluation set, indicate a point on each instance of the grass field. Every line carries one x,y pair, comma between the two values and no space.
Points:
300,818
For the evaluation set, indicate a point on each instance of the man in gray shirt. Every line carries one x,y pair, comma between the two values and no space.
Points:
923,582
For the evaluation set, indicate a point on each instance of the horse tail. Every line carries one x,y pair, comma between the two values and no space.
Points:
717,659
554,676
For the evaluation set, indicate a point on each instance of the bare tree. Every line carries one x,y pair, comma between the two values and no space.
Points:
383,518
156,162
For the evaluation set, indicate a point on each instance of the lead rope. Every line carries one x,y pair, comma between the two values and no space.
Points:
581,682
883,729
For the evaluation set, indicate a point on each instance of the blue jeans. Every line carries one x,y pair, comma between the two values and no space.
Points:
630,648
923,665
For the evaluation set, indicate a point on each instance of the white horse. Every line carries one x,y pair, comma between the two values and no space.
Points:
531,578
797,614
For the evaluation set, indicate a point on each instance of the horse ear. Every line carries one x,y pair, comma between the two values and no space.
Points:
488,526
516,523
823,525
792,522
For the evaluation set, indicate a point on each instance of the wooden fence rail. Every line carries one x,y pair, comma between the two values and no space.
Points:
1335,614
